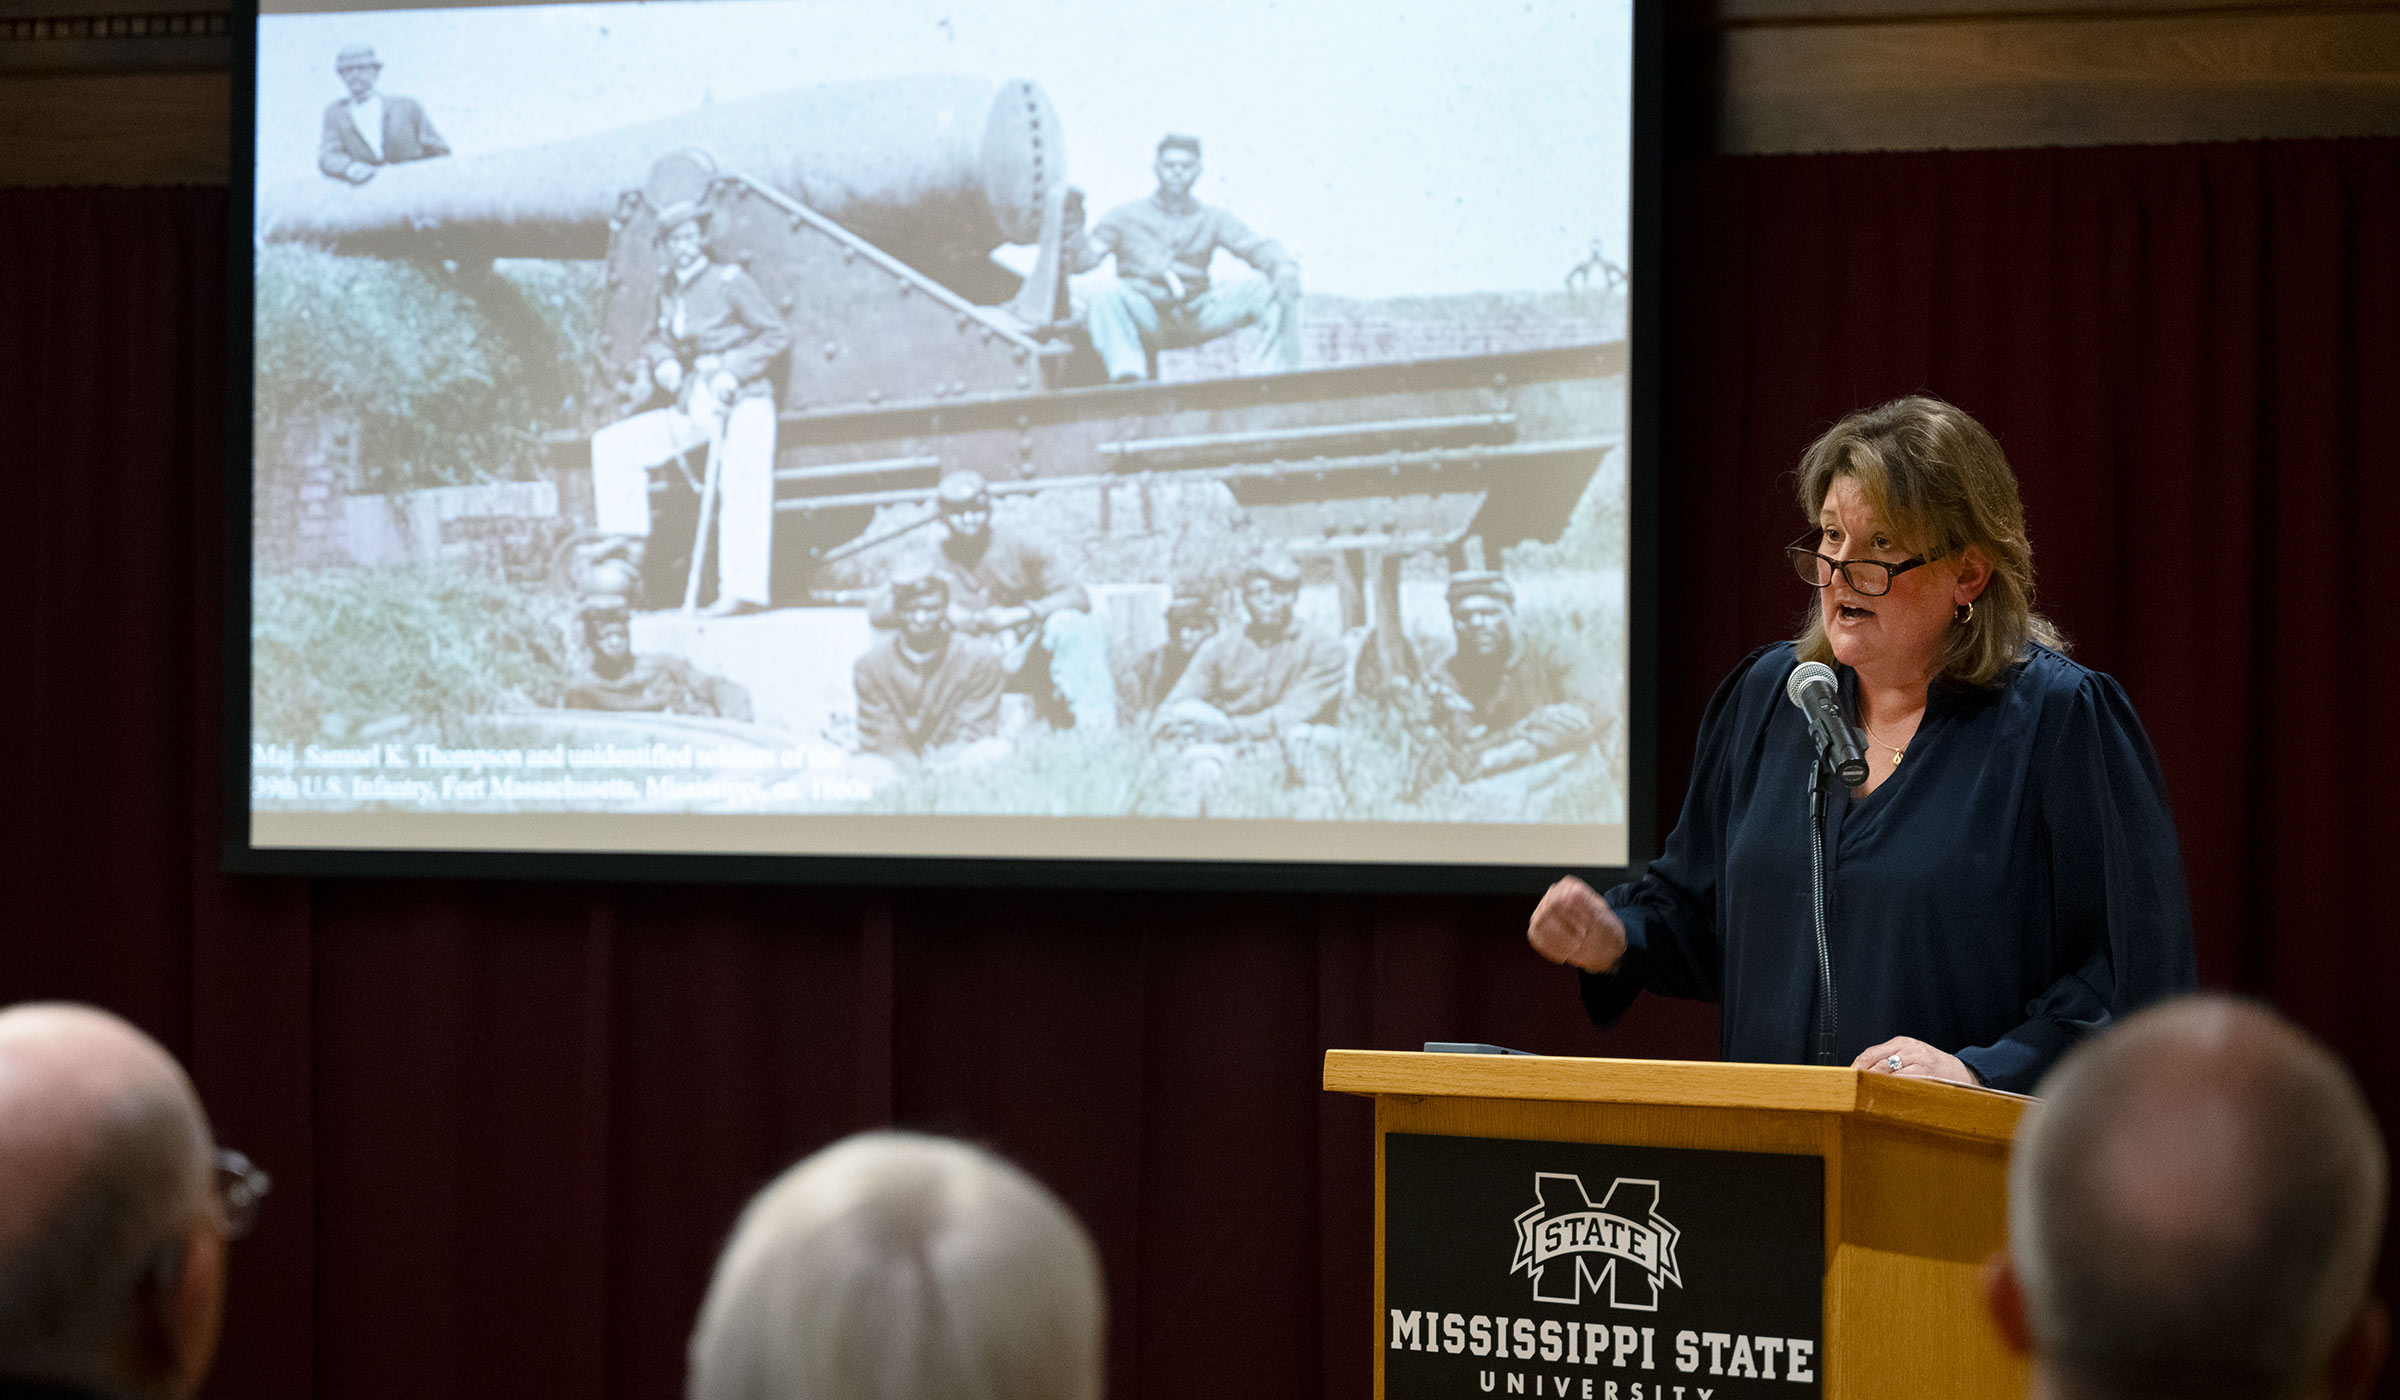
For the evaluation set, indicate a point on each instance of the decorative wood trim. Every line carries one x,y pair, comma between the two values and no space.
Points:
192,40
86,9
49,29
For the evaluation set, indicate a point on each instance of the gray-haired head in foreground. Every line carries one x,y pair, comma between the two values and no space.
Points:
894,1266
2195,1207
105,1175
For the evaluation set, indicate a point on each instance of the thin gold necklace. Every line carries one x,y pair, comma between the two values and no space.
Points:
1882,745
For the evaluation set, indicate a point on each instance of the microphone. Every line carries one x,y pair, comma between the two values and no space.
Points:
1813,688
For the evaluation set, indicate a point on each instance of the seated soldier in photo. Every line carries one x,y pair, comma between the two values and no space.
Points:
1017,590
923,691
1164,296
1191,621
1274,674
1503,702
619,680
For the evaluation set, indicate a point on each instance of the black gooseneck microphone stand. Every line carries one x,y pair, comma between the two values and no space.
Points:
1829,1015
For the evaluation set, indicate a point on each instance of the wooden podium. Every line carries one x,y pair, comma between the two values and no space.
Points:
1914,1199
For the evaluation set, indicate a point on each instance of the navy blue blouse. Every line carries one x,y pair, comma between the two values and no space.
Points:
2013,885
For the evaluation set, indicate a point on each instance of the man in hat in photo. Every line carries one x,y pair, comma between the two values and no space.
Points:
1015,589
924,691
712,353
1191,621
1503,702
1274,675
1162,297
369,129
620,680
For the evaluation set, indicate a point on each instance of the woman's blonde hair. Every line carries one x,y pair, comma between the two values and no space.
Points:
1938,481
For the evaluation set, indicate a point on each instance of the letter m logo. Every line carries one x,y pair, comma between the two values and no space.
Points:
1569,1243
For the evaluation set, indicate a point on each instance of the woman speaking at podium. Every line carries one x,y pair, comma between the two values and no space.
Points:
2005,877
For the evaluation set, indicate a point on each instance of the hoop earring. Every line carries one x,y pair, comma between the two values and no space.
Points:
1963,615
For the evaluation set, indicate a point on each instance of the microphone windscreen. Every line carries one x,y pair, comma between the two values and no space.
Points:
1807,676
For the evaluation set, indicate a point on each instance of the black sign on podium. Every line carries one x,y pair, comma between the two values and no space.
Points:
1575,1271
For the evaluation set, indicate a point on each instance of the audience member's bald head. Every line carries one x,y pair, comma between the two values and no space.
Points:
2195,1209
111,1256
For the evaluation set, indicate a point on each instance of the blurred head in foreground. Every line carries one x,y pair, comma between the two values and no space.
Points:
2195,1208
112,1236
892,1266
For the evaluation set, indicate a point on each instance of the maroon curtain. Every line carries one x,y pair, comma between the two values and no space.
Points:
510,1123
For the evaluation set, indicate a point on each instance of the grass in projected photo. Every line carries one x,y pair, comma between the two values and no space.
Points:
448,377
453,671
404,651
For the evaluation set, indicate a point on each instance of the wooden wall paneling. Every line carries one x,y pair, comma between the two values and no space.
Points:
2056,80
115,92
1734,12
116,129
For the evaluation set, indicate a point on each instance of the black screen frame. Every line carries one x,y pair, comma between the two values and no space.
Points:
1645,324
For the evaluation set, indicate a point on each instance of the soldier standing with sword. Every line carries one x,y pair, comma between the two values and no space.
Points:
712,350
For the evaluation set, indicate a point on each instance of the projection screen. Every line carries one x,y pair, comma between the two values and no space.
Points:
1168,436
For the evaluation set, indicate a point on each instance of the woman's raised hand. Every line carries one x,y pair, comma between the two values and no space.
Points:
1575,926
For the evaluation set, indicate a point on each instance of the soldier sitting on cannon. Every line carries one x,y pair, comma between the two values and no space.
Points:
711,351
1502,702
620,680
1161,297
1015,589
924,692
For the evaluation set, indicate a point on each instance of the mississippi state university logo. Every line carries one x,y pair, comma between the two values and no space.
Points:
1567,1243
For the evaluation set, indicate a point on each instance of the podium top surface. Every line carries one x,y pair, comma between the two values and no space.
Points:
1923,1104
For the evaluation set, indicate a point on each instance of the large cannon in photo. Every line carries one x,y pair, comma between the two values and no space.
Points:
936,170
868,213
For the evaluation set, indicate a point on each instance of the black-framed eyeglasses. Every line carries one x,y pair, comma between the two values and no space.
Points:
1871,578
241,1185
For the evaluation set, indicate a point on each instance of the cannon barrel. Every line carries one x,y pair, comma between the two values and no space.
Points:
931,165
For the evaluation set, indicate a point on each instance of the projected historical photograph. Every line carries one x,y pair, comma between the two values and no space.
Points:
1019,410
